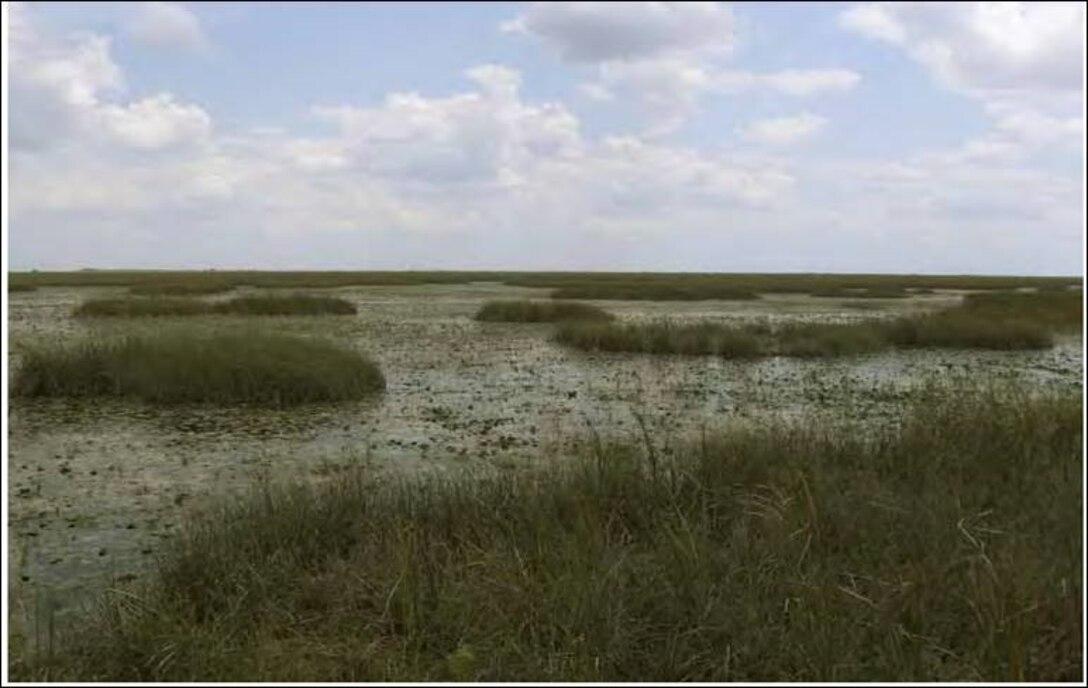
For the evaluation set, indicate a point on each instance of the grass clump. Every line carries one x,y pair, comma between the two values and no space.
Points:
16,288
958,330
999,321
190,288
817,340
539,311
946,548
802,340
662,337
142,307
160,306
177,366
993,320
1062,310
293,304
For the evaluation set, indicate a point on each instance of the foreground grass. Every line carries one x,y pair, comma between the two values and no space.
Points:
947,548
157,306
177,366
999,321
538,311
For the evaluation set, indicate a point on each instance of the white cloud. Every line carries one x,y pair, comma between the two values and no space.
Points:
1022,62
168,25
781,131
794,82
984,47
593,32
155,122
664,56
596,92
67,88
481,137
414,179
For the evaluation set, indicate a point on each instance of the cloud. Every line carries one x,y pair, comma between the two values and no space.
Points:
483,165
103,176
985,46
484,137
593,32
155,122
166,25
68,88
794,82
1022,62
781,131
664,56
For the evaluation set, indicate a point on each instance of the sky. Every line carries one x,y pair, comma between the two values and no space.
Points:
707,137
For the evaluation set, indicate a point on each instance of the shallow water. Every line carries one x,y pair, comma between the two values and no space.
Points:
95,487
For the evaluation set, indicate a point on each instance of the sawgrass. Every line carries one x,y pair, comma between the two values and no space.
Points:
944,548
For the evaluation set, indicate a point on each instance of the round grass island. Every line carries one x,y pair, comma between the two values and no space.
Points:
177,366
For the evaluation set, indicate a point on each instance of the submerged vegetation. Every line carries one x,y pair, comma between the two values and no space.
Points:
539,311
180,366
944,548
293,304
1001,320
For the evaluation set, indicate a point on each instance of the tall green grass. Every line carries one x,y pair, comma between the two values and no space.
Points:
157,306
999,321
142,307
294,304
15,288
663,337
174,365
965,330
946,548
538,311
1062,310
191,288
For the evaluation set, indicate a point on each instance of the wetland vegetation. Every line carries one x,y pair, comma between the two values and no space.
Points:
174,365
943,548
190,288
165,306
618,285
539,311
999,321
509,509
